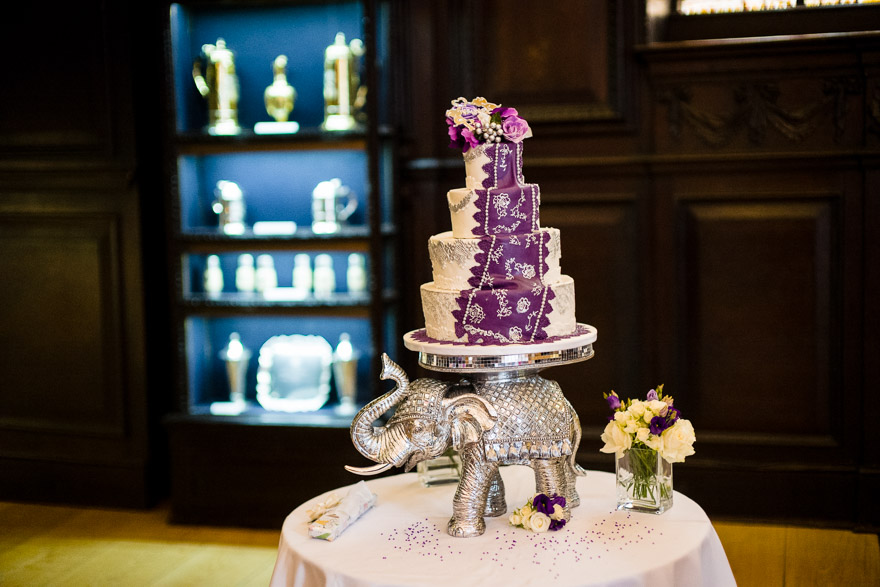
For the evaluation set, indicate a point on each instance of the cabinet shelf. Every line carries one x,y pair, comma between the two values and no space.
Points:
307,139
349,238
255,415
340,304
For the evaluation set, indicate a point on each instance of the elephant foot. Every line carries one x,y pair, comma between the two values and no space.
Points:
462,529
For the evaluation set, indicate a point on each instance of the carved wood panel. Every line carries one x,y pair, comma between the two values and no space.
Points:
758,304
62,314
551,71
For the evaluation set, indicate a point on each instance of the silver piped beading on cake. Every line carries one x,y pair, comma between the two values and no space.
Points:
454,259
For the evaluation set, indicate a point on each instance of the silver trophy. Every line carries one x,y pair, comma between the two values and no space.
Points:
237,357
345,360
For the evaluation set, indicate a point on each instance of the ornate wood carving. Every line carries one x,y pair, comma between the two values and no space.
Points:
758,111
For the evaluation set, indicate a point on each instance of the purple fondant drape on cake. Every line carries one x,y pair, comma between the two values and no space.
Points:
509,301
506,205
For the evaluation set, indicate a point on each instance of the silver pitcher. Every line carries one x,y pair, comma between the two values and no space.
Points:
332,205
229,206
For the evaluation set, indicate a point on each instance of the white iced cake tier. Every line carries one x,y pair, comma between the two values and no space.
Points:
455,260
553,306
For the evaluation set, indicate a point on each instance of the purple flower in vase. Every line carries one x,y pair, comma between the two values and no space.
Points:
613,401
672,414
658,425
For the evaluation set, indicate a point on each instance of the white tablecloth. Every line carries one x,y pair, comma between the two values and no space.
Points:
403,541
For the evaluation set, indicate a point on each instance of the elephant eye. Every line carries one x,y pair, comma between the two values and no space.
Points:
419,430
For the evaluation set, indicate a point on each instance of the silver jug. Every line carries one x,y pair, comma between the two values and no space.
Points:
332,205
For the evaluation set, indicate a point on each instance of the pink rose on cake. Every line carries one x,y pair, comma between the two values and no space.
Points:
514,128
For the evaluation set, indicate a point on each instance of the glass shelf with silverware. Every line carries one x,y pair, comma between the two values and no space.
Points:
307,366
286,278
282,210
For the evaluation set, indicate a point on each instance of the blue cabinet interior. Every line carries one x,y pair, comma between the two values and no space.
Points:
277,183
206,337
257,35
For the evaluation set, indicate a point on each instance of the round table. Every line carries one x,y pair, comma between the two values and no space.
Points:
402,540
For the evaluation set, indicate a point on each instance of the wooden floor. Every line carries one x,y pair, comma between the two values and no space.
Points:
54,545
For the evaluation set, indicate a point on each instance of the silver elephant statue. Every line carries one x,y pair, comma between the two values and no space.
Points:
501,419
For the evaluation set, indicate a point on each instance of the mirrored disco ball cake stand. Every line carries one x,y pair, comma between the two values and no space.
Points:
501,361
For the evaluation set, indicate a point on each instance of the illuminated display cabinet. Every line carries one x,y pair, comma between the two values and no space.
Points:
245,189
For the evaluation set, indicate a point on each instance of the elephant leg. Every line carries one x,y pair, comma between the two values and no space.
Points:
496,503
469,502
550,479
571,495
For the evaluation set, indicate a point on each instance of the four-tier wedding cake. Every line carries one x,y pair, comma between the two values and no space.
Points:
497,277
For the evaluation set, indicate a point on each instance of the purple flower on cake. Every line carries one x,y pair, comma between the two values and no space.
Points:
515,129
472,123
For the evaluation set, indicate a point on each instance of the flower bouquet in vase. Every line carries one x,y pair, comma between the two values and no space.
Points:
646,437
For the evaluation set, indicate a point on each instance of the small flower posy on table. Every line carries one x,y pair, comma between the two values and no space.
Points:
653,426
541,513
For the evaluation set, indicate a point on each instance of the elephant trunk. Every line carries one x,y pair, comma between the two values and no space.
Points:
366,439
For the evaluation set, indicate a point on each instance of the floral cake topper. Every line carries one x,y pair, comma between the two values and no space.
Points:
478,122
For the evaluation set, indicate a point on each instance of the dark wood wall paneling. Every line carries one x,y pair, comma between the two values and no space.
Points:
715,204
73,397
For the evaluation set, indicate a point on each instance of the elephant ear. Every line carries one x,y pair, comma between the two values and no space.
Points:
469,416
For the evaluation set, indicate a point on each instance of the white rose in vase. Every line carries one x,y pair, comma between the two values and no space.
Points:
615,439
678,441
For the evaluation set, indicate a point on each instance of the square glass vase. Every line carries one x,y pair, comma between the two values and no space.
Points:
440,471
644,481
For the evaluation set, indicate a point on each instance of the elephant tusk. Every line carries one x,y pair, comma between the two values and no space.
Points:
374,470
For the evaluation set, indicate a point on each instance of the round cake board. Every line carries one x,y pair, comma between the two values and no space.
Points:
475,358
